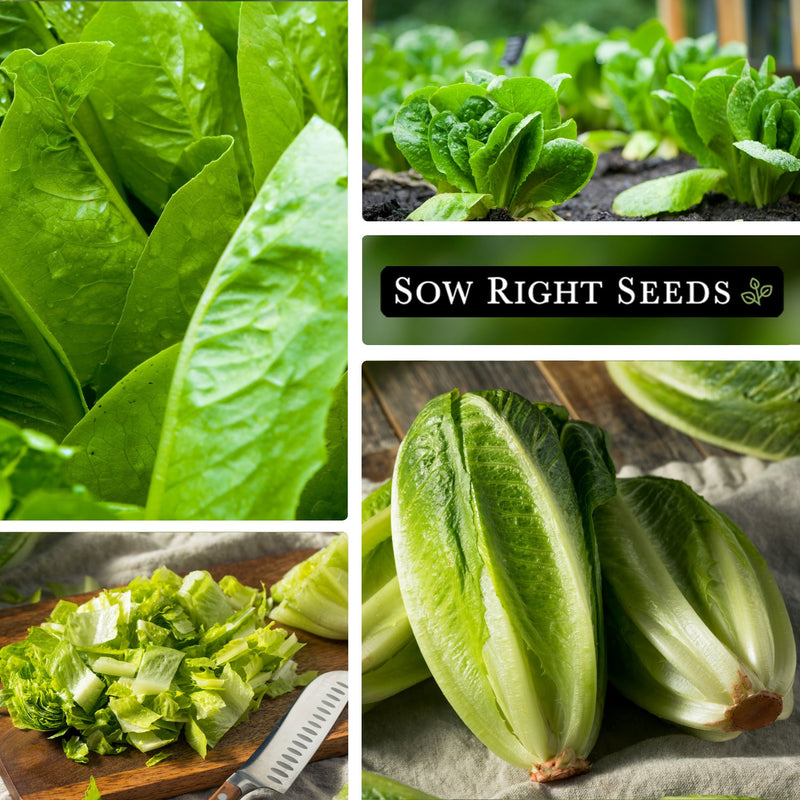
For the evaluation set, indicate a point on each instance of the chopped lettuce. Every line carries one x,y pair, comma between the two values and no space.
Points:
312,595
139,665
92,792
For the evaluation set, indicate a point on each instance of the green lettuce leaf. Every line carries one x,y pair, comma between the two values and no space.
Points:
272,324
272,93
38,388
325,495
115,444
70,240
179,257
166,84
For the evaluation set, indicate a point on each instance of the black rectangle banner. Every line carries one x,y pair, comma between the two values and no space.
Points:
470,291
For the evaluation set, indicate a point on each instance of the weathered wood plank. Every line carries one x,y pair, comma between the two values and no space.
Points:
394,392
587,390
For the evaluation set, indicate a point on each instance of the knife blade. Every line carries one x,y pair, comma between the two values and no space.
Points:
294,740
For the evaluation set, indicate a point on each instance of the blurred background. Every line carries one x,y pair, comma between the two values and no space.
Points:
767,21
730,251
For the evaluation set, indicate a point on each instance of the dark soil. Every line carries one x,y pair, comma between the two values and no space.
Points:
388,196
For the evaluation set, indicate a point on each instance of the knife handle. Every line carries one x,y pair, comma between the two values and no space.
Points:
227,792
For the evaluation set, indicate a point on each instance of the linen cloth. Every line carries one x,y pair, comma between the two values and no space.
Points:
415,737
115,558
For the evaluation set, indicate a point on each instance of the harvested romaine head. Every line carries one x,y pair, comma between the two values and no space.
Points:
15,547
696,628
312,595
491,522
139,665
379,787
492,142
390,658
750,407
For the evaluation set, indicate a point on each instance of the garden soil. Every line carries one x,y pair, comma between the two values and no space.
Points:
393,196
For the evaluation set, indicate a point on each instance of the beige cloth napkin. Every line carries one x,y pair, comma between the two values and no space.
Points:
415,737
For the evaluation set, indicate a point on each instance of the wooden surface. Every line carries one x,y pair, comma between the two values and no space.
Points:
731,21
394,392
35,768
673,16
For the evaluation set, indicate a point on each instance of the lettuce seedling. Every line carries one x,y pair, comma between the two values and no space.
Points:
743,127
635,67
492,142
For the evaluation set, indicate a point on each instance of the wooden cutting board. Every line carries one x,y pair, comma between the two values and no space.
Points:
35,768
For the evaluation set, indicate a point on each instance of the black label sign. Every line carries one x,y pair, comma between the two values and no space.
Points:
581,291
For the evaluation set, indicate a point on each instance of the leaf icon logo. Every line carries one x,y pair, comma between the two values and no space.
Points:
758,294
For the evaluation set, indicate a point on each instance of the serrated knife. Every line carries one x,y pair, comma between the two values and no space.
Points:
293,742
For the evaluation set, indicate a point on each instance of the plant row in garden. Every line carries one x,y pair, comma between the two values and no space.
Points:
506,559
525,137
173,266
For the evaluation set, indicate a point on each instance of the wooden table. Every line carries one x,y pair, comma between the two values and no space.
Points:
393,393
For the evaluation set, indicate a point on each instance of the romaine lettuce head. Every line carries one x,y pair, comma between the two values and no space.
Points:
379,787
390,658
750,407
312,596
696,627
491,524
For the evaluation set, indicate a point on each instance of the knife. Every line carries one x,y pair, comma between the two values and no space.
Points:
293,741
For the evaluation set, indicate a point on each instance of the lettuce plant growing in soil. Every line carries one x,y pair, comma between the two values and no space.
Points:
173,269
492,142
635,66
743,127
394,67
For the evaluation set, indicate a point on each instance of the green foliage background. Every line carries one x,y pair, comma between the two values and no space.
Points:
514,16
